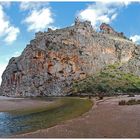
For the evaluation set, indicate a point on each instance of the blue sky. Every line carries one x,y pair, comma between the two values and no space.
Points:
20,20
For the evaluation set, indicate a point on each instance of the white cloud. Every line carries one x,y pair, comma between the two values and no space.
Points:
114,16
39,19
39,16
12,33
32,5
99,12
7,31
136,39
3,22
6,4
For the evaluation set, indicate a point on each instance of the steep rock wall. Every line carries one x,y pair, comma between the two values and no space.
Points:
133,65
51,61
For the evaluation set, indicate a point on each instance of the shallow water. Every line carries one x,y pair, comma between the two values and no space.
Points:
11,124
14,124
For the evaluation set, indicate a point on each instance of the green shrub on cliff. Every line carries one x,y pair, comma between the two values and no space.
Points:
110,80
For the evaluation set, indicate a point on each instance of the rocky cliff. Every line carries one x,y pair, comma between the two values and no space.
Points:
54,59
133,65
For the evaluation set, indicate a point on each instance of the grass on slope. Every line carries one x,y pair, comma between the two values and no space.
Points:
110,80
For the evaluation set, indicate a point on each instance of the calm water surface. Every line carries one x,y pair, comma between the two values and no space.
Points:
15,124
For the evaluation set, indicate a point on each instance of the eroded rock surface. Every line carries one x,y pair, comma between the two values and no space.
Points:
107,29
51,61
133,65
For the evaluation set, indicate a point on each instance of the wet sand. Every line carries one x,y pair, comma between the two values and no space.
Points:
106,119
9,103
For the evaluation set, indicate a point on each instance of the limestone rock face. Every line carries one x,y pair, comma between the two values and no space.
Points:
54,59
107,29
133,65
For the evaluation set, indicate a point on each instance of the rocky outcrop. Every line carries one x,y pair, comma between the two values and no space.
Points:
54,59
107,29
133,65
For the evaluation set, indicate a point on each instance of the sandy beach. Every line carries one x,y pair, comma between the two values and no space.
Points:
8,98
106,119
10,103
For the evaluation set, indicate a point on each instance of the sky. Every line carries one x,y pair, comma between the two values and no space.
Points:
19,21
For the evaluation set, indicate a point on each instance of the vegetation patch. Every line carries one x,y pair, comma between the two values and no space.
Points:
130,102
131,95
109,81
